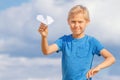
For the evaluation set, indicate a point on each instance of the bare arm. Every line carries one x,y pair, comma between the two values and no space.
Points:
109,60
46,49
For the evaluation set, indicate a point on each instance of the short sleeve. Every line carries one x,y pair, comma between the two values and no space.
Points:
97,47
59,43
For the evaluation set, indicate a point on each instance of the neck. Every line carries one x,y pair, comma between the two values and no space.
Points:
78,35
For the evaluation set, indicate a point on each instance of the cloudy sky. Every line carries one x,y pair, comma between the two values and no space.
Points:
20,53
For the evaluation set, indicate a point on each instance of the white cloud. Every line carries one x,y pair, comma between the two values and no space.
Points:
13,19
107,21
10,43
104,18
2,45
14,23
23,68
105,75
20,22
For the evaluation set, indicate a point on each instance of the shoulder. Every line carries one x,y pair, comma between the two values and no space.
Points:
65,37
95,43
92,39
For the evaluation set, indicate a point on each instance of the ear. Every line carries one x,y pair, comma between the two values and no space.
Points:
87,22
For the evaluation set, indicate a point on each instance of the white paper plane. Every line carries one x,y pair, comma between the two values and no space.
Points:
49,20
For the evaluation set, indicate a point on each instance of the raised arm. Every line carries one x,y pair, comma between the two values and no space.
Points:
46,49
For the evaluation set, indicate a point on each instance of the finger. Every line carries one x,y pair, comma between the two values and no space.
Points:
87,75
43,24
95,72
40,30
43,27
90,73
46,28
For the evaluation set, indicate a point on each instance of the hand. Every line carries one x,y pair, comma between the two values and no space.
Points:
92,72
43,29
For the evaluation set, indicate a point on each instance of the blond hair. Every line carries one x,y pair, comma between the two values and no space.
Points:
79,9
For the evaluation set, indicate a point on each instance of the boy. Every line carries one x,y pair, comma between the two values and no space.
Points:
78,49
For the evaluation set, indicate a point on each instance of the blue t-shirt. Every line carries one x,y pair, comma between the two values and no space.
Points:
77,55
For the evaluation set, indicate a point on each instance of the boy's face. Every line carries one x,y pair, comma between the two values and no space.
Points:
77,23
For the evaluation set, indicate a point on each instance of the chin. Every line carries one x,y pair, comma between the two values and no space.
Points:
77,33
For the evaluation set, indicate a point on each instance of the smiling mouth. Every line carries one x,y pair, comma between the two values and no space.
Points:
76,29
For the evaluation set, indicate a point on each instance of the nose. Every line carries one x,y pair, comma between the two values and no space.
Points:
76,24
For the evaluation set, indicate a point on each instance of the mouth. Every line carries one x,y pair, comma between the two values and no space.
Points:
76,30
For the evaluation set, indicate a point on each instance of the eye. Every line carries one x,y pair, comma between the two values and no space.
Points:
80,21
73,21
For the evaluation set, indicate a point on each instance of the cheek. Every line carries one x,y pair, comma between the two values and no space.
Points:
83,25
71,25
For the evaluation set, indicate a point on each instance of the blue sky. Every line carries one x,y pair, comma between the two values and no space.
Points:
4,4
20,50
